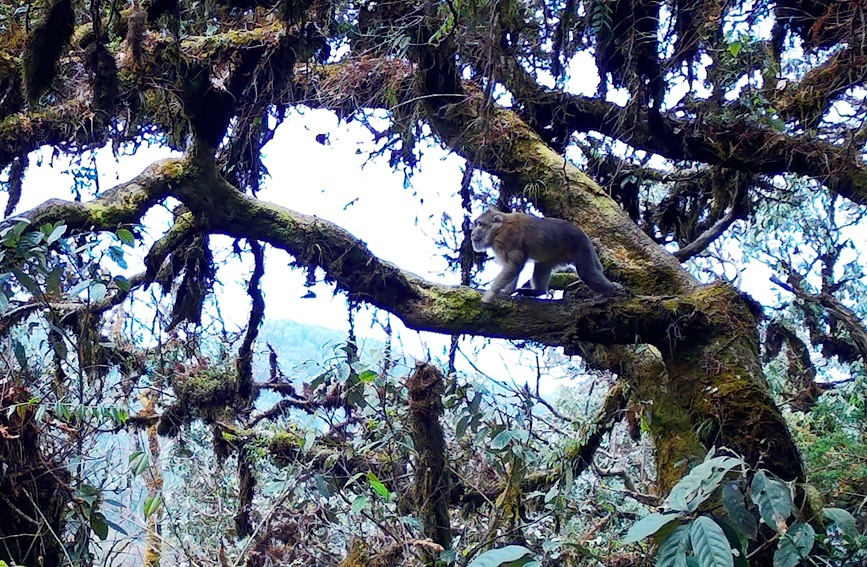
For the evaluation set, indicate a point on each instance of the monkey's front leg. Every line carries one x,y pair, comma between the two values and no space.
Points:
505,282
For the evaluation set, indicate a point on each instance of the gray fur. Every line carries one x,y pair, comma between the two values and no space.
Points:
516,238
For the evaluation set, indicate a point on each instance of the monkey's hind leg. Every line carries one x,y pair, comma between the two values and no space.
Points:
590,272
540,281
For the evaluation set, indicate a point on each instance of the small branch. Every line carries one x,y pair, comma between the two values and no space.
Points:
69,308
257,313
647,499
704,240
843,314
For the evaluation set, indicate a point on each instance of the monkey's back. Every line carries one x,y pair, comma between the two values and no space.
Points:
550,237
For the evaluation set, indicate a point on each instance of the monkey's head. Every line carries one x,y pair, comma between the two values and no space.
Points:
485,228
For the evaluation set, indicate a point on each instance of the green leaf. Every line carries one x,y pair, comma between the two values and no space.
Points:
122,283
709,543
359,504
20,353
323,486
509,556
649,525
774,500
20,227
843,520
138,462
795,545
697,486
119,415
461,427
52,281
737,542
4,302
501,440
99,525
55,235
367,377
741,518
26,281
153,504
115,527
29,241
378,487
97,291
735,48
126,236
672,551
116,254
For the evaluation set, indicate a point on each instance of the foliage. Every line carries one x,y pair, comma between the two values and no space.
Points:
689,528
509,556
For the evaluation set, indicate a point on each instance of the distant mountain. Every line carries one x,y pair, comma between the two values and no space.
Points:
304,351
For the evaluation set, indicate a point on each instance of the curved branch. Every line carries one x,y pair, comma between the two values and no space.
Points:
704,240
840,312
348,262
738,144
426,306
123,204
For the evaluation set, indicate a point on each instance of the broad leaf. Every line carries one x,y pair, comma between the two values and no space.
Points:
125,236
359,504
774,500
138,462
26,281
672,552
737,542
323,486
58,231
649,525
843,520
741,518
367,377
115,527
709,544
122,283
99,525
693,489
795,545
97,291
501,440
509,556
378,487
461,427
153,504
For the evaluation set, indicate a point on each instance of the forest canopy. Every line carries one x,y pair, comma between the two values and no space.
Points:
713,152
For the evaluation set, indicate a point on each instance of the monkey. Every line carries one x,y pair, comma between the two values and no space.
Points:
549,242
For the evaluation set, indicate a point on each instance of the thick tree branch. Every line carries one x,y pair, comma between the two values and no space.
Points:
123,204
809,99
422,305
738,144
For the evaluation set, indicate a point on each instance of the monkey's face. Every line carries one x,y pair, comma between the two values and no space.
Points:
485,228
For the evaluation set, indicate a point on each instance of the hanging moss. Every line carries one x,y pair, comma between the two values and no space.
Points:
33,486
103,77
45,45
